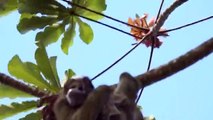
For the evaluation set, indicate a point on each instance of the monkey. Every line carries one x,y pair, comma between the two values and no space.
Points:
94,104
125,95
121,105
47,110
78,100
71,97
116,102
77,89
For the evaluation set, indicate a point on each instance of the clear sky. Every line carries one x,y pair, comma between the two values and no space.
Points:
186,95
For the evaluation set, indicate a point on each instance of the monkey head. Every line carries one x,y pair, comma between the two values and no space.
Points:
76,90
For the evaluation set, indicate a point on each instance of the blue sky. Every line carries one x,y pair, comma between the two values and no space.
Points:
186,95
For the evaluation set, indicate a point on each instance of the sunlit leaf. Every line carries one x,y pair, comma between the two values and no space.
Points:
9,92
28,72
15,108
49,7
50,34
33,116
54,69
26,15
67,40
47,67
7,6
139,107
95,5
69,73
34,23
86,33
151,117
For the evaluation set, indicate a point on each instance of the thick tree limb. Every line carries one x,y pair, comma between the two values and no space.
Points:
177,64
7,80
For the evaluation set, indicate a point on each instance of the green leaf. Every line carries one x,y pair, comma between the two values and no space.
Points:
15,108
7,6
139,107
69,73
34,23
151,117
49,7
50,35
28,72
95,5
86,33
67,40
26,15
54,69
33,116
10,92
47,67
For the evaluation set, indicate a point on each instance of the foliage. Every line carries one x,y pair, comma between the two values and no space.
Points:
29,72
33,116
150,118
7,6
47,66
15,108
10,92
42,75
56,19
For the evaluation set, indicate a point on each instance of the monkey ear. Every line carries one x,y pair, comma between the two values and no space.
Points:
128,85
88,84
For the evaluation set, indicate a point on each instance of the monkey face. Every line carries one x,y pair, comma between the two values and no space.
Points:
76,90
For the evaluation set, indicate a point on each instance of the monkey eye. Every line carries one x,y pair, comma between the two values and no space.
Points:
74,87
80,88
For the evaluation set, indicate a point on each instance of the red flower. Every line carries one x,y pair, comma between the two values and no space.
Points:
139,33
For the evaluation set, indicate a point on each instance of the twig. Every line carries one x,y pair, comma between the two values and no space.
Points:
7,80
176,65
166,14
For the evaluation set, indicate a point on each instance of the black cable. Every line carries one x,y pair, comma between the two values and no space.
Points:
152,50
109,17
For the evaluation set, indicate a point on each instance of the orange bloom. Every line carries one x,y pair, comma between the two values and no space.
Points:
139,33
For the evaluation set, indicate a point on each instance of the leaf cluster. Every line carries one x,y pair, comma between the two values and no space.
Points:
53,20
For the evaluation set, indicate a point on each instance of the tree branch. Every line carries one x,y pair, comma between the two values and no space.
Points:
166,14
7,80
177,64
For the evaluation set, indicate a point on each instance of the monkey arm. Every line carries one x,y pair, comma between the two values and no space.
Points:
124,98
94,104
61,108
128,86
